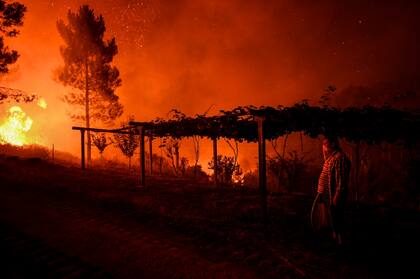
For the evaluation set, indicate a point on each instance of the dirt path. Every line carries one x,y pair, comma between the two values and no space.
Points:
109,241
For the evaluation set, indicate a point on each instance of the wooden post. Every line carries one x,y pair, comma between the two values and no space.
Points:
176,147
356,172
151,154
142,158
215,170
52,153
82,143
262,175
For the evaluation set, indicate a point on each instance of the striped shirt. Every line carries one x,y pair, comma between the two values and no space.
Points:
334,178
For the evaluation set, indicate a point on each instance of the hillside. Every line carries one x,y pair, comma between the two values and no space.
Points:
58,222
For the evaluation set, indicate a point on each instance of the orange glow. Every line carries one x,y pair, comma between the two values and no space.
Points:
195,55
14,128
42,103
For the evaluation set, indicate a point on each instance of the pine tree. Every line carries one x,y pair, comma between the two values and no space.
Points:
11,17
87,68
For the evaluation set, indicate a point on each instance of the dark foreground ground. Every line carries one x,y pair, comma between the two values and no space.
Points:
58,222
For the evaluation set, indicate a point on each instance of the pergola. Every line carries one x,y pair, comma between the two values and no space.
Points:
368,124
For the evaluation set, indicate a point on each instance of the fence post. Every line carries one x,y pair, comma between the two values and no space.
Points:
151,153
215,165
262,175
142,158
82,149
356,172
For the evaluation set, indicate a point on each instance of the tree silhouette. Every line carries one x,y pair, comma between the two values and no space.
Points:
101,142
127,143
11,17
15,95
227,168
87,68
171,148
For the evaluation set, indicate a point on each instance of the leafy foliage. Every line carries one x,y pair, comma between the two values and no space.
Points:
127,142
171,148
369,124
11,17
100,141
227,168
16,95
87,66
288,169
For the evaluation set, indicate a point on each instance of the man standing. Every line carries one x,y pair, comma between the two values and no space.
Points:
333,184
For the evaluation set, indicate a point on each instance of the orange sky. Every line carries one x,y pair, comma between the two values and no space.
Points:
190,55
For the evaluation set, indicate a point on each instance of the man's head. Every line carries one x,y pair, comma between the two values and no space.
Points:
329,145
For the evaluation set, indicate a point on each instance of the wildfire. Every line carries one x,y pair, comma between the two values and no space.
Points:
42,103
13,130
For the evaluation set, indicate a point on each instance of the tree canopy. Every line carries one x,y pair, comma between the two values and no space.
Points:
87,65
11,17
87,68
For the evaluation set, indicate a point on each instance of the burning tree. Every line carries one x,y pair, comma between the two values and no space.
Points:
15,95
87,68
227,168
11,17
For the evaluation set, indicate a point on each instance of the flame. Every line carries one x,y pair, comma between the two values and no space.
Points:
14,128
42,103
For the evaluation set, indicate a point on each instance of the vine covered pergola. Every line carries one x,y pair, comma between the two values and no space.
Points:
368,124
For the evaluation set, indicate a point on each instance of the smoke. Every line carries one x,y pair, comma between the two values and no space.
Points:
231,53
190,55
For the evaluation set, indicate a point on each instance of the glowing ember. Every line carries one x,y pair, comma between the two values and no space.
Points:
14,128
42,103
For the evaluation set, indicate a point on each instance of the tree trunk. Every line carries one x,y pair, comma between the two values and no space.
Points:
160,163
177,159
284,145
196,153
89,148
301,142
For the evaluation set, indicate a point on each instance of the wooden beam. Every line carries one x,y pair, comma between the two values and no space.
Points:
151,154
262,175
215,170
114,131
142,158
82,148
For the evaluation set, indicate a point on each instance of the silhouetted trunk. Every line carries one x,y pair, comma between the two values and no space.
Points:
151,154
129,164
160,164
284,145
89,154
301,142
196,143
177,159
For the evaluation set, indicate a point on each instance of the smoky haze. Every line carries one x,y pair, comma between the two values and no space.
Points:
192,55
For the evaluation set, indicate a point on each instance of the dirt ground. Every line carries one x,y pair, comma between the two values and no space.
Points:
61,222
